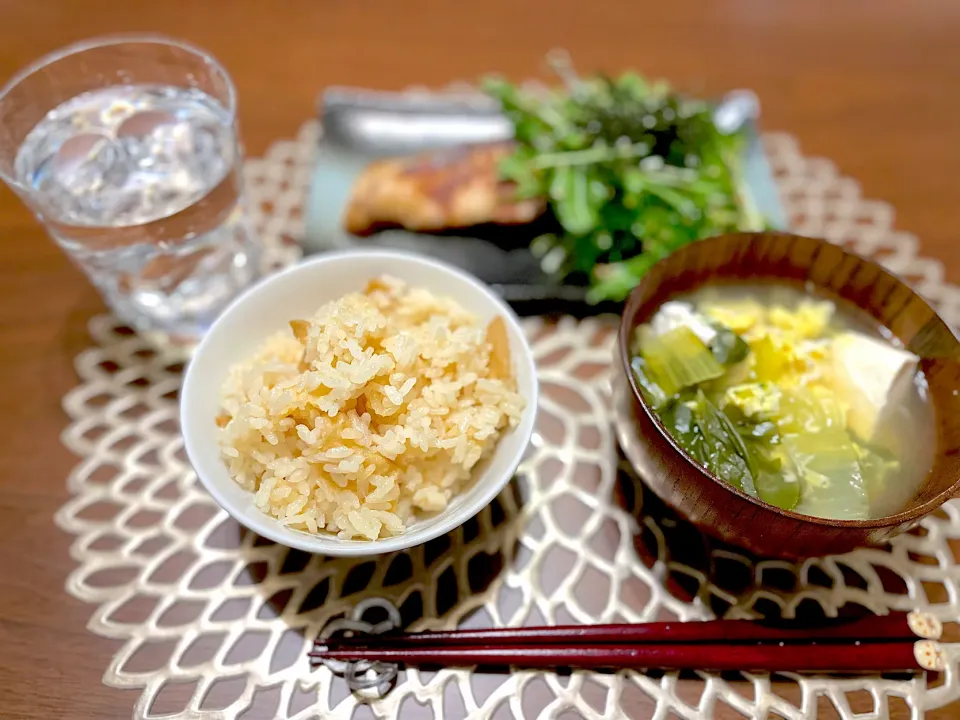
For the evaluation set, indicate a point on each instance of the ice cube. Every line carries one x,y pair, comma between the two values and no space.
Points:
87,163
142,124
191,155
150,138
209,154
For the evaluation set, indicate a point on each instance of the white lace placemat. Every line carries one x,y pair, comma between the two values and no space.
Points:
216,622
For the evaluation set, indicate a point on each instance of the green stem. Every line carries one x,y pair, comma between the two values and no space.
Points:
589,156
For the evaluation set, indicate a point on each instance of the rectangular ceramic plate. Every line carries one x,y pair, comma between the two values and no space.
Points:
362,126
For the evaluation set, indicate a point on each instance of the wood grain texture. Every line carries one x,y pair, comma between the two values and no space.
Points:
870,84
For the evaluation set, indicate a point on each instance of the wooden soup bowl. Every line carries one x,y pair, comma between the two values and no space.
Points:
730,514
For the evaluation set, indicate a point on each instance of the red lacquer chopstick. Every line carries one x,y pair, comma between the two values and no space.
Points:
848,657
870,629
871,644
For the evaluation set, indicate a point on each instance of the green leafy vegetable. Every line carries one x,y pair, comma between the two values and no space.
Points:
728,347
824,450
652,393
773,485
777,490
632,171
828,464
679,419
877,471
678,359
717,426
766,431
801,413
710,438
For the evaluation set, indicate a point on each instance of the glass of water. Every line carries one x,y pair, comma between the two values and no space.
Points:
126,149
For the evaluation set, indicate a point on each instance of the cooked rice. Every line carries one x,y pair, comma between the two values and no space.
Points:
369,415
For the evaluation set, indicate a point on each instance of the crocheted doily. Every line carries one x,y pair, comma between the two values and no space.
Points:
217,622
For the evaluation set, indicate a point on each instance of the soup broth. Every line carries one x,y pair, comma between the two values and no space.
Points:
797,400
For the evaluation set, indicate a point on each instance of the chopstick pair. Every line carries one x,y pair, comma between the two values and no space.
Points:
894,642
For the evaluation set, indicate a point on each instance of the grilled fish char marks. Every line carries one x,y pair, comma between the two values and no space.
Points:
439,190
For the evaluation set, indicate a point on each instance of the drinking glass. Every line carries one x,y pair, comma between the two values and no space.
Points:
126,149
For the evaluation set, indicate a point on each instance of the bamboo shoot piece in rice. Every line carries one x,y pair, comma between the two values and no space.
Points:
499,349
790,399
371,414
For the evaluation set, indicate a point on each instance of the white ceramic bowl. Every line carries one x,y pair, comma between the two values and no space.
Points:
296,293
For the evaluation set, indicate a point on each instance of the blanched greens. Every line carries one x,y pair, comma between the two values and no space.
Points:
787,446
678,359
742,453
631,170
728,347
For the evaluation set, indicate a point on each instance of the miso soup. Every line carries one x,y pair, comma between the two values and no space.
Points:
794,399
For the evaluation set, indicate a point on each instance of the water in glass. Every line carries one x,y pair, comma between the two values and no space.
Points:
141,185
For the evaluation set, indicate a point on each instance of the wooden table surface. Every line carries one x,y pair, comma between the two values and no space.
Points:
870,84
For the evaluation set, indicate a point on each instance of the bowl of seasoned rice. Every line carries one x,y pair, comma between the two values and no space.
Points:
360,402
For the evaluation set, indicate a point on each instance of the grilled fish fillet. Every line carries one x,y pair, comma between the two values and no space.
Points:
439,190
